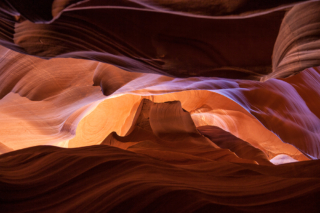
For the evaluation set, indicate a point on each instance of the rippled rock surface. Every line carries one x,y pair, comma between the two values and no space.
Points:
159,106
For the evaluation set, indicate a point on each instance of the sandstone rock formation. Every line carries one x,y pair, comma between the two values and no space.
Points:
159,106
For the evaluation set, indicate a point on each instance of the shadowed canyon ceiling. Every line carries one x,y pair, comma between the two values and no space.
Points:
159,106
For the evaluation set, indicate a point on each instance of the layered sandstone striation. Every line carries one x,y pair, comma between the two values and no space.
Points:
159,106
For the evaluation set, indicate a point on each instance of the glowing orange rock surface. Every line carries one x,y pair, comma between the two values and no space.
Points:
159,106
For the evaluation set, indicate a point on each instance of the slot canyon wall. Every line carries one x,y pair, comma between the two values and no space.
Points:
159,106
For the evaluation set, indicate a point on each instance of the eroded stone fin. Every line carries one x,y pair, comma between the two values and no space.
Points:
166,132
226,140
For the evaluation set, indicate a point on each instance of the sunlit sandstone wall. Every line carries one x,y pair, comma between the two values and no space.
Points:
46,99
